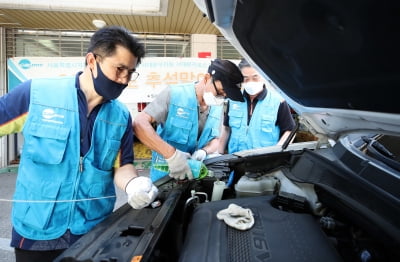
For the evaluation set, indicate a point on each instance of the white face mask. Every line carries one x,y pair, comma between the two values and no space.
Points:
253,88
211,100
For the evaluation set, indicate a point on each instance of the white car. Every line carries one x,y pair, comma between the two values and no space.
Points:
336,198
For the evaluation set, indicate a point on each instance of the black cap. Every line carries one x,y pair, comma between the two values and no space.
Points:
229,75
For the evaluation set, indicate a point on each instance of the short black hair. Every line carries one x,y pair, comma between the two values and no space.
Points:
105,40
243,63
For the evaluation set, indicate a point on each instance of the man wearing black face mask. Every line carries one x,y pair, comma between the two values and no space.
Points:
78,141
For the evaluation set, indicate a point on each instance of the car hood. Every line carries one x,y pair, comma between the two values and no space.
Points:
337,63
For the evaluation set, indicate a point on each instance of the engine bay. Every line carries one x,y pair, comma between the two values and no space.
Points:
307,204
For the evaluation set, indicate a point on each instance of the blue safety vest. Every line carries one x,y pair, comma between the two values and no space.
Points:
182,125
56,189
262,130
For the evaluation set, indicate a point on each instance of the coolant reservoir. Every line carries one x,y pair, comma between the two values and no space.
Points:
255,184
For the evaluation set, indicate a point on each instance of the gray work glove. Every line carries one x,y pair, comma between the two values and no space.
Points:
141,192
178,165
199,155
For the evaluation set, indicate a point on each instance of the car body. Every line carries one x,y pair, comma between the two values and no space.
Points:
332,198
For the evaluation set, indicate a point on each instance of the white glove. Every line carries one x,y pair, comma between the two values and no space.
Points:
199,155
141,192
178,165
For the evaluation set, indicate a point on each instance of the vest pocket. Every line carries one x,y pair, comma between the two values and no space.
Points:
180,131
35,214
108,154
267,123
235,118
99,208
46,144
95,186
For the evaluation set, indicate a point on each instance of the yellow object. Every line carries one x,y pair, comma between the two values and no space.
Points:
141,151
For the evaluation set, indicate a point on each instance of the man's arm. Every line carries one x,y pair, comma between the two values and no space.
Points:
176,159
14,108
155,113
144,131
140,190
212,146
285,122
124,174
225,131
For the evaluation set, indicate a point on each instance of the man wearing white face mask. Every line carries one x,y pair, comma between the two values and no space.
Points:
188,120
264,119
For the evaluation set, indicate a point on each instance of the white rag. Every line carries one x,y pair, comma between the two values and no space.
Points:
237,217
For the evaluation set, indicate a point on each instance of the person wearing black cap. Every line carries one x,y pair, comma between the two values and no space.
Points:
268,120
229,75
188,119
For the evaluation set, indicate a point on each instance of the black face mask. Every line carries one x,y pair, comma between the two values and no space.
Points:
105,87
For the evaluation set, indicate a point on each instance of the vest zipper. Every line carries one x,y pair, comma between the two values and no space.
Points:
72,206
81,164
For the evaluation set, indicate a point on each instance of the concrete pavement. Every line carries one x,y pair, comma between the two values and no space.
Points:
7,185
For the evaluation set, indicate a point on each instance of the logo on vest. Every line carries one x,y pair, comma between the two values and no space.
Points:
235,107
48,115
182,113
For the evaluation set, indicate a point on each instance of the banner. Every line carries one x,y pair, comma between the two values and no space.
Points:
156,73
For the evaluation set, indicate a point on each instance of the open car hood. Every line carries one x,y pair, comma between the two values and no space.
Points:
337,63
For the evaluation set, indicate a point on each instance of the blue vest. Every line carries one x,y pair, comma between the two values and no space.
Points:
182,126
52,178
262,130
